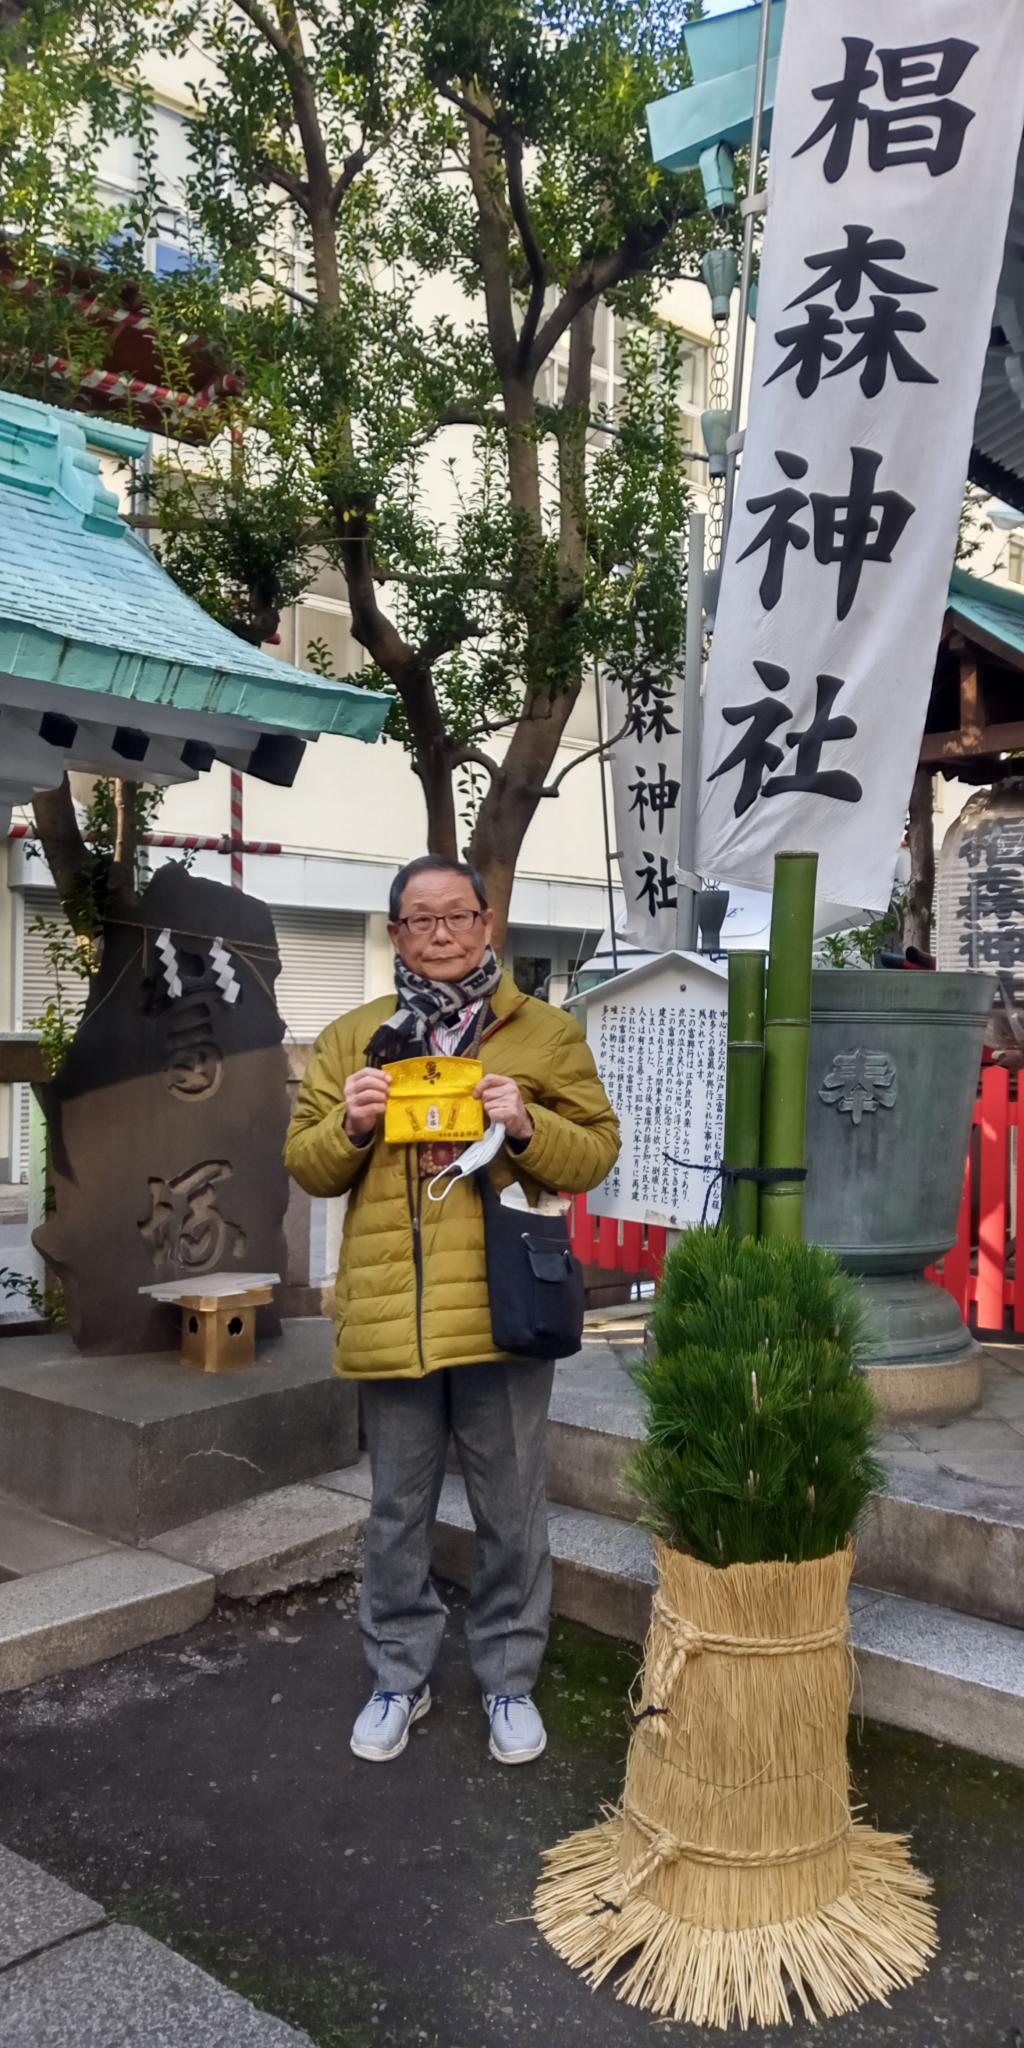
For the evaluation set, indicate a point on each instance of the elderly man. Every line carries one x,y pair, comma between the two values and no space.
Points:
413,1319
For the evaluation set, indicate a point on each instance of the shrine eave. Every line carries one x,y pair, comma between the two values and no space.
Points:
979,682
718,107
105,664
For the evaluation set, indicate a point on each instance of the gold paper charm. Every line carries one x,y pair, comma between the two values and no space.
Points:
432,1101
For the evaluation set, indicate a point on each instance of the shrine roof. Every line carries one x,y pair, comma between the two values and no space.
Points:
992,610
86,608
718,107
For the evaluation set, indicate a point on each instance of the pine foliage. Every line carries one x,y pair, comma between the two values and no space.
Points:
760,1430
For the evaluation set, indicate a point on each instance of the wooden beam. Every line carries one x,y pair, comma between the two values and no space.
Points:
972,736
921,839
944,749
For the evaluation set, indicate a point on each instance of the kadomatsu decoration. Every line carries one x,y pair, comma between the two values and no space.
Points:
733,1884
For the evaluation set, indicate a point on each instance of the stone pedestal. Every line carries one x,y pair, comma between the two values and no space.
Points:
132,1446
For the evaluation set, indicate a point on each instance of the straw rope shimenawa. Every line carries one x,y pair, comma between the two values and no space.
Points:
734,1883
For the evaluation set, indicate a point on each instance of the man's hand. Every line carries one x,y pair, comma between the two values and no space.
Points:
366,1099
504,1105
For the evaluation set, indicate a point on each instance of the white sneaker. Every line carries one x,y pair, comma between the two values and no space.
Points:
382,1730
518,1735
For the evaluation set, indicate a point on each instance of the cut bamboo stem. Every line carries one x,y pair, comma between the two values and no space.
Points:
743,1082
787,1034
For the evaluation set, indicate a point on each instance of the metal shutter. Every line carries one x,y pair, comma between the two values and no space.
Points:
37,991
322,968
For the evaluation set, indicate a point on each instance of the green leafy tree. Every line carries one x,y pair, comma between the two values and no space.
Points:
402,216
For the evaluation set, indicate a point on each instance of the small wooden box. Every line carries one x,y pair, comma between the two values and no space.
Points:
218,1316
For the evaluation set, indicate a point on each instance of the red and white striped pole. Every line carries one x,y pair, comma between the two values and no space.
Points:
188,842
237,838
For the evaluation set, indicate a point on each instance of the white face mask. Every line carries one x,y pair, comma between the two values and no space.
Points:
469,1161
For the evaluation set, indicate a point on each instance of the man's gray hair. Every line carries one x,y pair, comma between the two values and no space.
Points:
433,864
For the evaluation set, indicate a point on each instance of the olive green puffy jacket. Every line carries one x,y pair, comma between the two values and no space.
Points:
399,1316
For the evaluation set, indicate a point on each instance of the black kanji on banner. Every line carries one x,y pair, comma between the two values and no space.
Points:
657,884
757,755
649,714
863,526
659,798
916,122
816,343
862,260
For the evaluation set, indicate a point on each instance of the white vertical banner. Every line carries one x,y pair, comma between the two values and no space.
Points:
645,794
894,145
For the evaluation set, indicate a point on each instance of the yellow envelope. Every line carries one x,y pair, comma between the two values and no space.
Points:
432,1102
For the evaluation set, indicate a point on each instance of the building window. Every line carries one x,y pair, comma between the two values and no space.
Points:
1015,560
323,637
608,376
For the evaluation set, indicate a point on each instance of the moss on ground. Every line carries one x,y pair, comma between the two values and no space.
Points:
337,2003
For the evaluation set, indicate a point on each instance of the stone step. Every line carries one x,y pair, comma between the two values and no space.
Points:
949,1531
79,1613
921,1667
297,1536
31,1542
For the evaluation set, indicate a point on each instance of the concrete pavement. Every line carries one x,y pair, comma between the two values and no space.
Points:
202,1791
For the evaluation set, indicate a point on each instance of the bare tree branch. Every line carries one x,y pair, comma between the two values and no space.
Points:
268,29
288,291
487,164
347,177
598,275
464,757
463,413
438,579
512,144
271,173
437,644
471,108
591,754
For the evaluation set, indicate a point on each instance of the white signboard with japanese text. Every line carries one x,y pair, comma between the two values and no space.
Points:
659,1038
645,794
894,144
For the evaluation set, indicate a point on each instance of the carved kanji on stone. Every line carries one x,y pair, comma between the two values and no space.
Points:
859,1082
167,1119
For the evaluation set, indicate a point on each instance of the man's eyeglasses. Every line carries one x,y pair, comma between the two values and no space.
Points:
455,921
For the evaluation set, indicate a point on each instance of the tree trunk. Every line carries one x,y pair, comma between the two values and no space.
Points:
65,851
917,930
122,894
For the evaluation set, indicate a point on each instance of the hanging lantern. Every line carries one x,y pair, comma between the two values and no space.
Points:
717,171
714,426
720,271
979,895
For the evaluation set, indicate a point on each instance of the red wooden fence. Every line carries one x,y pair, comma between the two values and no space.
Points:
984,1271
634,1248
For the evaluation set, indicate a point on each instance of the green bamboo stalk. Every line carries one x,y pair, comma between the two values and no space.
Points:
744,1060
787,1035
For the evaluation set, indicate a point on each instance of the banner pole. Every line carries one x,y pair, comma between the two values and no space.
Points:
689,789
746,270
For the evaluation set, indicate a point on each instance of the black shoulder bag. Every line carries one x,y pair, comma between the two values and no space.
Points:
534,1282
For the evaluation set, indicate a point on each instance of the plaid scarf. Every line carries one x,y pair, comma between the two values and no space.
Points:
423,1003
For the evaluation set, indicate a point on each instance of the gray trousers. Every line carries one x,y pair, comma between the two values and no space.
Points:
497,1416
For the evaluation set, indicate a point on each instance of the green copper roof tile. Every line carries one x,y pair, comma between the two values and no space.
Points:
85,604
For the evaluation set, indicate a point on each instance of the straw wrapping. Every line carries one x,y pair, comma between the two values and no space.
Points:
733,1881
682,1640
